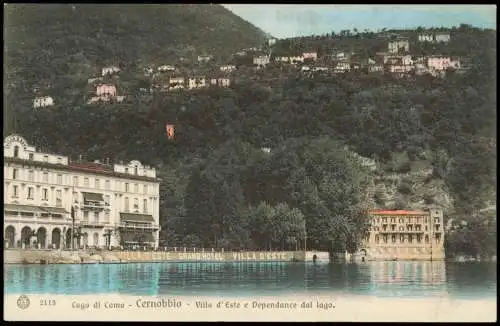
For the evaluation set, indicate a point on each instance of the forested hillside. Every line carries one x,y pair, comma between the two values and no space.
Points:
434,137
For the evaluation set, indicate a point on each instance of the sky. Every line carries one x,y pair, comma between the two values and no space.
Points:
284,20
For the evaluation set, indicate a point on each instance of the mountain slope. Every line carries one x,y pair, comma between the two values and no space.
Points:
48,42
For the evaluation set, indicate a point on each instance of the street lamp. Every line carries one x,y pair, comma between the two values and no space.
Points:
77,233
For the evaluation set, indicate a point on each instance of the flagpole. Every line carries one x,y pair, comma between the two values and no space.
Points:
73,221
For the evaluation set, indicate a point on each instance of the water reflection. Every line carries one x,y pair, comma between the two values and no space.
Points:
257,278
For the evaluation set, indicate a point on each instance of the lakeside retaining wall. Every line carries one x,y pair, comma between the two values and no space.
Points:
15,256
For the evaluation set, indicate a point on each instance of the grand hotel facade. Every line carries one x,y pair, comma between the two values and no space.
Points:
50,202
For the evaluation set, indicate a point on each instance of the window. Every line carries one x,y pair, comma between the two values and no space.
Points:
419,238
59,179
145,206
31,157
58,194
400,220
385,238
377,239
136,171
45,194
96,217
106,185
136,203
86,182
437,227
31,175
75,181
410,238
46,177
85,215
401,238
59,160
106,216
97,183
145,190
426,239
30,193
126,170
438,238
16,151
126,186
393,227
46,158
426,228
117,185
14,191
393,238
106,199
136,188
15,174
126,204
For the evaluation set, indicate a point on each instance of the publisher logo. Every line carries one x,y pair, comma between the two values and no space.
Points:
23,302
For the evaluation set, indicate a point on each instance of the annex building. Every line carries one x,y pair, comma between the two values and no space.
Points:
404,235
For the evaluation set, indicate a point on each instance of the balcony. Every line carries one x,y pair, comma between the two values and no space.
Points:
93,224
139,226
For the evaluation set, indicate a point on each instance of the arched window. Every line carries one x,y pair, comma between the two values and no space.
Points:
135,170
16,151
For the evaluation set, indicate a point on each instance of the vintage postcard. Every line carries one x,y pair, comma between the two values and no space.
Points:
208,162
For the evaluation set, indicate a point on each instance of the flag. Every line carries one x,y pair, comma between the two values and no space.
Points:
170,131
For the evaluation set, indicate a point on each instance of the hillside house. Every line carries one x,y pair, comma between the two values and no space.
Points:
227,68
110,70
105,90
42,102
221,82
266,150
196,82
282,59
310,56
305,68
296,59
120,99
318,69
442,37
342,67
148,70
441,63
261,60
241,53
271,41
93,80
204,58
176,83
376,67
401,45
425,38
165,68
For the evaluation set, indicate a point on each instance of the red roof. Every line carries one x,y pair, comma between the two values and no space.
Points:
90,167
395,212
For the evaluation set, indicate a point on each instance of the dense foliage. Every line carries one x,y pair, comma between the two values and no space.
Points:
219,188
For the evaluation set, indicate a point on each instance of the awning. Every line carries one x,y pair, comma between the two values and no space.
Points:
55,210
92,196
131,217
23,208
136,237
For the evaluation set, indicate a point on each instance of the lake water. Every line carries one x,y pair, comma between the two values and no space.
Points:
382,279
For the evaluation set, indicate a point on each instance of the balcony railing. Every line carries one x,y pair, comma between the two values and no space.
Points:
95,206
139,226
94,224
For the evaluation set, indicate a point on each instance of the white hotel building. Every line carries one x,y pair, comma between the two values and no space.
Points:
114,205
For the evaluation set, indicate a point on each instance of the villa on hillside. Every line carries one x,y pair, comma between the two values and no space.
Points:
261,60
165,68
204,58
110,70
442,37
41,102
176,83
227,68
312,56
221,82
399,45
342,67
